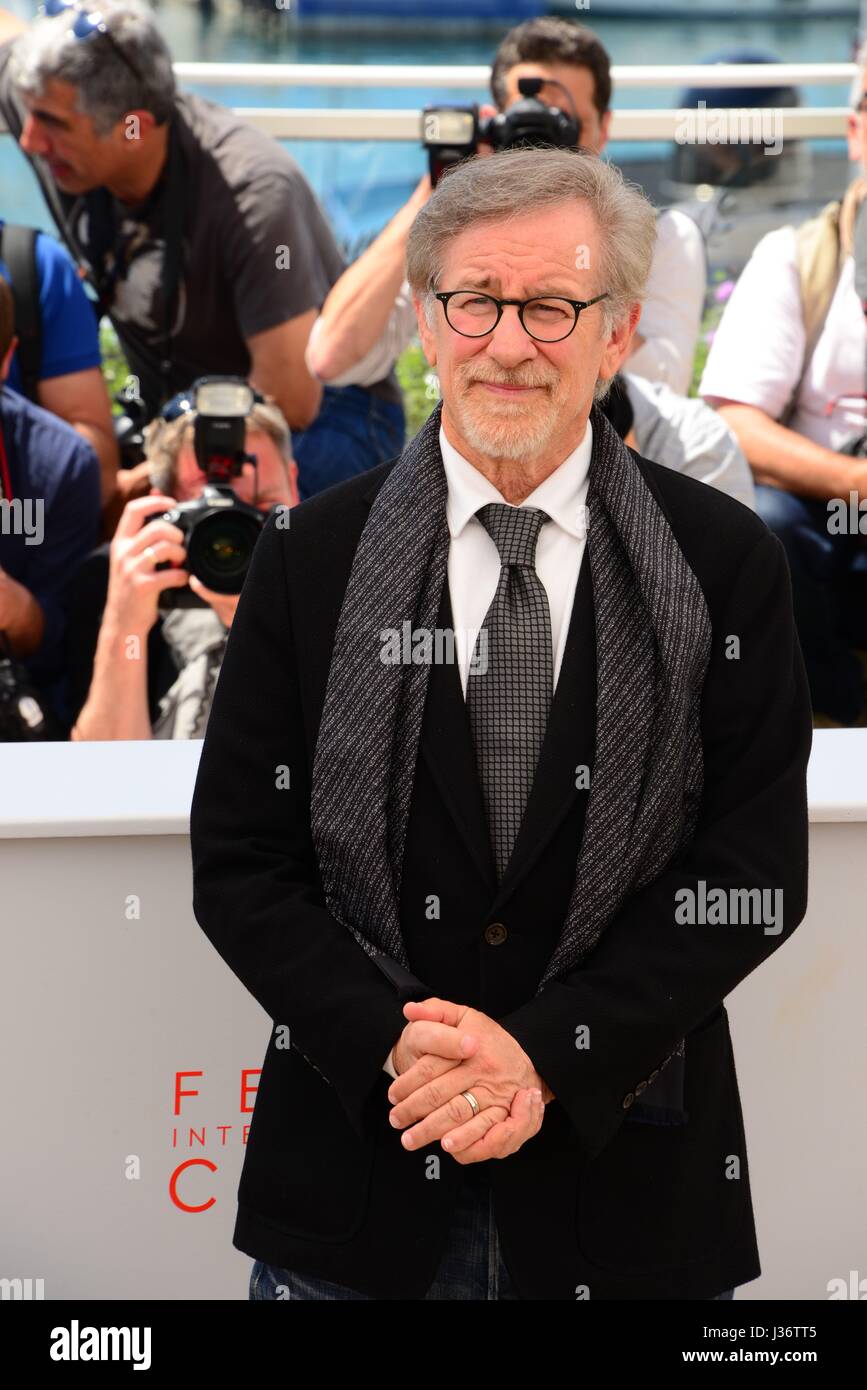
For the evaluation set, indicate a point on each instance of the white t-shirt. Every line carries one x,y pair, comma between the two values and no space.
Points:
672,309
670,315
757,354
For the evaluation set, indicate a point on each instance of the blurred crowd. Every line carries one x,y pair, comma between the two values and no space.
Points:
262,371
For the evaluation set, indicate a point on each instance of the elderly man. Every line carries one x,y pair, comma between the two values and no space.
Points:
508,746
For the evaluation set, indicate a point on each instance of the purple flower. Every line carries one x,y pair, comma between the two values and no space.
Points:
722,292
709,337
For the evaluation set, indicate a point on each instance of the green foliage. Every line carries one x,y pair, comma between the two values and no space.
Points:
114,364
718,292
420,387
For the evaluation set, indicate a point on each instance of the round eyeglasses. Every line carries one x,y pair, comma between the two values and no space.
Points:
547,319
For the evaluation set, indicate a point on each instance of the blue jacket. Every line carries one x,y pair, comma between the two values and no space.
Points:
55,475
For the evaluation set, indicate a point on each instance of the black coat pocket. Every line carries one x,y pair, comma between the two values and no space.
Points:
662,1196
305,1170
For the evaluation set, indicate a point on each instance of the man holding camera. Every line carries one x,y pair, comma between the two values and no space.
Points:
204,242
150,682
786,370
368,317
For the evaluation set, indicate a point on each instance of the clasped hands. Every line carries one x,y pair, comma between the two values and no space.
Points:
448,1048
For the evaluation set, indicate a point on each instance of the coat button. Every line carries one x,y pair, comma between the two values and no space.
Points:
495,934
627,1100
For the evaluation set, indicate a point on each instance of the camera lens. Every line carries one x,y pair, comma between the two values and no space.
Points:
220,549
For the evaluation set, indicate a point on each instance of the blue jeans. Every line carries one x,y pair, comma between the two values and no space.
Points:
472,1266
354,431
829,595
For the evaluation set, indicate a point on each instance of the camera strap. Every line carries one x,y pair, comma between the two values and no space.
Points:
110,252
174,232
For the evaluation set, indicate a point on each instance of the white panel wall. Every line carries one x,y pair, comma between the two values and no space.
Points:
109,990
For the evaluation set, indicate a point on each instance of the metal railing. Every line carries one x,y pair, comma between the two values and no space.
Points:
474,76
384,124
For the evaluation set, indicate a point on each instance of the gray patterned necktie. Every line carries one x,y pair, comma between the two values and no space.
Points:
510,683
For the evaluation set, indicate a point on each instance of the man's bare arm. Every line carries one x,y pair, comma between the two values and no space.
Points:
21,616
355,314
279,370
81,399
780,457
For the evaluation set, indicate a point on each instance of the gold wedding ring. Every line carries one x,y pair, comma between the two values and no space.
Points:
474,1104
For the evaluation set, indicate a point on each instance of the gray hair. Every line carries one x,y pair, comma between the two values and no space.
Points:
513,183
856,91
164,439
107,88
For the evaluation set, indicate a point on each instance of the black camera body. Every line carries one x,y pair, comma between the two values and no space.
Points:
453,133
129,427
220,531
25,717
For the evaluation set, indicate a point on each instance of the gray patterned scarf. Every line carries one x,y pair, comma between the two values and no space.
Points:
653,636
197,640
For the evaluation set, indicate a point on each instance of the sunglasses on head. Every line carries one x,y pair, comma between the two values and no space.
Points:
88,23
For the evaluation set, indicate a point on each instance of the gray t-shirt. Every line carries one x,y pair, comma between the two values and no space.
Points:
256,247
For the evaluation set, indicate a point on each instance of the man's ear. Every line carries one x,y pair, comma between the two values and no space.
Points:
136,126
853,137
620,339
425,332
293,482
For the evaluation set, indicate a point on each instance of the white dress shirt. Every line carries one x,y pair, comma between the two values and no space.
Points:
758,349
474,563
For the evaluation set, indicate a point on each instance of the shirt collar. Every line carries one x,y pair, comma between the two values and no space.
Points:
561,494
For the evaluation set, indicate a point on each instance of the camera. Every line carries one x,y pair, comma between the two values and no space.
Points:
129,426
220,531
24,716
452,133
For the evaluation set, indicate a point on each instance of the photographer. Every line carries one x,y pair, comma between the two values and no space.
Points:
786,370
49,520
157,682
368,318
205,244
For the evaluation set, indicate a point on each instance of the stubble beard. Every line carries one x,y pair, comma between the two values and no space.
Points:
502,429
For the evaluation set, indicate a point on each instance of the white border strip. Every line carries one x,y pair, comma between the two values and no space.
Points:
145,788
